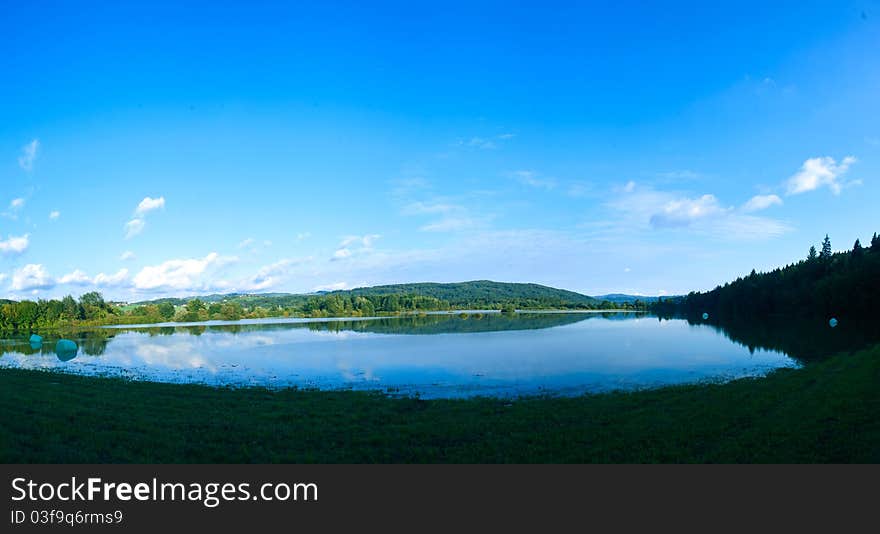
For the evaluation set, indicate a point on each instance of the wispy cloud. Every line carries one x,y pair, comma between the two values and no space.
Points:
481,143
29,155
354,244
429,208
54,214
270,276
449,224
134,227
448,216
127,256
682,175
579,189
819,172
138,222
15,206
533,179
761,202
486,143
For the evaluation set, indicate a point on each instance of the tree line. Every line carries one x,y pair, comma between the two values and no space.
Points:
824,284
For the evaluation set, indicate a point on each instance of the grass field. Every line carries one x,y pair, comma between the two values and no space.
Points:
825,412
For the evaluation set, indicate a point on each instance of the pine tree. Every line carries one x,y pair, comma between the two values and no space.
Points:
857,249
826,248
812,254
875,242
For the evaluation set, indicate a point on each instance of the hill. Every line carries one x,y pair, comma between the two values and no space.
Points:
473,294
622,298
483,294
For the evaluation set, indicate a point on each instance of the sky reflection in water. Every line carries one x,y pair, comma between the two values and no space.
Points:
434,356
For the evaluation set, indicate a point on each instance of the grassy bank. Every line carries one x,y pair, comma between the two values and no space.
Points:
825,412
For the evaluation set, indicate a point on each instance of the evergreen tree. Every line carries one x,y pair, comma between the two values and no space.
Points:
826,248
875,242
812,254
857,249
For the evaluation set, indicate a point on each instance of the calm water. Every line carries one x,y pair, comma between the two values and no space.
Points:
434,356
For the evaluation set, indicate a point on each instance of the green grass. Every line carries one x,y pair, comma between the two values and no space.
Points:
826,412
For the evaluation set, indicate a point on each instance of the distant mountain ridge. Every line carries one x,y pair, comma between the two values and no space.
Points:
475,292
619,298
486,292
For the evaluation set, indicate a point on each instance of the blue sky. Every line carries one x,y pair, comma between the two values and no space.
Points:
150,150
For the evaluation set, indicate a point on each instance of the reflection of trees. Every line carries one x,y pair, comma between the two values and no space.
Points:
92,342
407,324
804,339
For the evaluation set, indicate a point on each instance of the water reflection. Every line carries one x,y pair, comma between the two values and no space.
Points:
806,340
433,355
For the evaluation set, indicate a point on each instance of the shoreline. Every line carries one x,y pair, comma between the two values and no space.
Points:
823,412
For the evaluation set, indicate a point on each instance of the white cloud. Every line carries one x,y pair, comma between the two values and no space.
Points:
684,211
28,155
15,245
645,208
127,256
31,276
629,187
246,243
819,172
134,227
179,274
16,204
54,214
111,280
77,278
3,276
149,204
761,202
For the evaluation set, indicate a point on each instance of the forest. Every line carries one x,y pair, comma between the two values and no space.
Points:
91,309
823,285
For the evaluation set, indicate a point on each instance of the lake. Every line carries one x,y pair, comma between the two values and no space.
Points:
437,355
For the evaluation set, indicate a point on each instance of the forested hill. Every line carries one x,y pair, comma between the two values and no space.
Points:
474,294
484,294
824,284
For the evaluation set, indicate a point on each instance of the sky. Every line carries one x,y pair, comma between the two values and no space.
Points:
163,148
